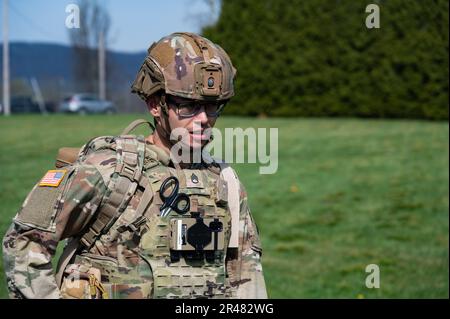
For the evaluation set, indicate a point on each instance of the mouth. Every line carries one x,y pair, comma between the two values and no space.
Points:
199,135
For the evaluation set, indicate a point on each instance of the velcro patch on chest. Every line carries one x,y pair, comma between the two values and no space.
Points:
194,179
53,178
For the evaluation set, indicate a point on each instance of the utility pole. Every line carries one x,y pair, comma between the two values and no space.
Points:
6,99
101,67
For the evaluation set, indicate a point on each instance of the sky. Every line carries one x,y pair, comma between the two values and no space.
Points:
135,24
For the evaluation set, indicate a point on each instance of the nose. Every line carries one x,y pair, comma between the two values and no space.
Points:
201,116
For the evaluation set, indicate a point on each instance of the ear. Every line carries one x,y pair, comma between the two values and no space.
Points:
153,106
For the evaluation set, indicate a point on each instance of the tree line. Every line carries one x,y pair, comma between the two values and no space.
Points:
318,58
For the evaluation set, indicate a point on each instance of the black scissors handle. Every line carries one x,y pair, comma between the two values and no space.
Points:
181,204
174,199
165,186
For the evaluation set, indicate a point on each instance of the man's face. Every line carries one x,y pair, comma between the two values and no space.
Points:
192,118
195,125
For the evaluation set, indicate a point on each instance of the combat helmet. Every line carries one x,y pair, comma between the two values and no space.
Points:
186,65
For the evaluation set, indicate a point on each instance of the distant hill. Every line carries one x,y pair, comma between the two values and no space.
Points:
44,61
52,65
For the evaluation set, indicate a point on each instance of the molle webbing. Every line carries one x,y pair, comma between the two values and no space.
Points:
123,184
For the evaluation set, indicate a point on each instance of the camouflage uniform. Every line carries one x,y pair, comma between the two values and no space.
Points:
51,214
131,257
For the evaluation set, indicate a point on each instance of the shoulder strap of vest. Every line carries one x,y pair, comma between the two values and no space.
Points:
130,152
228,174
122,186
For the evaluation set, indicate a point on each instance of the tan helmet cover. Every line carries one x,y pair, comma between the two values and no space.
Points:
186,65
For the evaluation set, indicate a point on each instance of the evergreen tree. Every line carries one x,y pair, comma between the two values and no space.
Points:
318,58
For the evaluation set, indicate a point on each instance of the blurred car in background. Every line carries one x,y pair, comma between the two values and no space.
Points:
27,104
85,103
24,104
51,107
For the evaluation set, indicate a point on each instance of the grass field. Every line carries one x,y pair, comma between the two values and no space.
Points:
347,193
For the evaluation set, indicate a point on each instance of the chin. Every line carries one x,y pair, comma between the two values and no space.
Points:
197,144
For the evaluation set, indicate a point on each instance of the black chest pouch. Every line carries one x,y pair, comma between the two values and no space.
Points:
196,237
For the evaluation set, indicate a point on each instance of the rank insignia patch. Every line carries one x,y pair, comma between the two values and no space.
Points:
52,178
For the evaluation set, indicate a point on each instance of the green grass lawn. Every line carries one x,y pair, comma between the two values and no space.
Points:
347,193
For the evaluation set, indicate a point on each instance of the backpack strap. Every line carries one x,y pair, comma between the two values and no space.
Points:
130,152
135,124
228,174
122,186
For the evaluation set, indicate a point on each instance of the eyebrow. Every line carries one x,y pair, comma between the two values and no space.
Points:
181,100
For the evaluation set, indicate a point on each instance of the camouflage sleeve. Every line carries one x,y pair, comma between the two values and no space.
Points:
252,284
48,215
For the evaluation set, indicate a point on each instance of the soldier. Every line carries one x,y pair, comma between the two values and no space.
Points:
138,223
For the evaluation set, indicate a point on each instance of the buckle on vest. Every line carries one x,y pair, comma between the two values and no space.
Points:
134,225
129,171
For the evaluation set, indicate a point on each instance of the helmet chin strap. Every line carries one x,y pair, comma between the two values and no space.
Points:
162,131
164,117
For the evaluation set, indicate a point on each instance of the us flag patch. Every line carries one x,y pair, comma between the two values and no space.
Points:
52,178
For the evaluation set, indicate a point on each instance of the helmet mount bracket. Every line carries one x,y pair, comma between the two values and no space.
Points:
208,78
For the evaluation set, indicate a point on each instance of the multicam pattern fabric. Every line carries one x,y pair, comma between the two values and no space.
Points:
174,64
132,259
28,248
